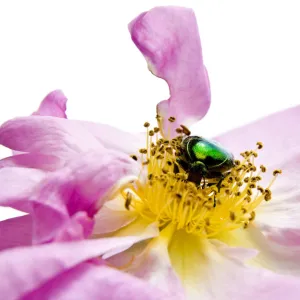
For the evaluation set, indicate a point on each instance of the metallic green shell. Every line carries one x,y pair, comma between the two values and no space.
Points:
208,152
204,149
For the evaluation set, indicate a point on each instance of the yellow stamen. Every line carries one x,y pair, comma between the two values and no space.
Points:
168,198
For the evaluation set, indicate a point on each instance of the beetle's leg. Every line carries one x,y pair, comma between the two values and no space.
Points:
222,177
197,172
204,183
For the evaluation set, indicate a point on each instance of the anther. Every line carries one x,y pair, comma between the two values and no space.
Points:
263,168
169,163
146,162
165,171
248,199
146,124
185,130
178,195
156,129
246,224
259,145
169,150
268,197
143,151
252,216
171,119
134,157
128,200
151,133
276,172
237,162
230,179
158,117
232,216
179,130
268,194
259,188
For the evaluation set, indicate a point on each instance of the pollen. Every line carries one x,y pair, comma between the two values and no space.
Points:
206,209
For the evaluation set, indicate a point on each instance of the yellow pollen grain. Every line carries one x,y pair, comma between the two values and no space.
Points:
167,197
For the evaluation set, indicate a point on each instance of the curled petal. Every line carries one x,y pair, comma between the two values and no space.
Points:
23,193
79,227
83,185
169,39
53,198
54,104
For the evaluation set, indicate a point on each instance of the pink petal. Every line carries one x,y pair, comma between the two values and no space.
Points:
88,281
54,104
92,175
154,266
150,261
25,269
212,270
20,184
81,186
79,227
47,135
114,138
33,160
278,132
282,259
279,219
169,39
64,138
23,192
16,232
108,220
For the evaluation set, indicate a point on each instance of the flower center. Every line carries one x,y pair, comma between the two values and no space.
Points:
207,209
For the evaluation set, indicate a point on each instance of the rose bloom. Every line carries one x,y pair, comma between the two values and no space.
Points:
113,215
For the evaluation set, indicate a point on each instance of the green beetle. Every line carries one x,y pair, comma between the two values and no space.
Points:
205,159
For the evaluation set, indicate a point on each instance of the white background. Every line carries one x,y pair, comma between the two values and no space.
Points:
251,50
